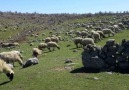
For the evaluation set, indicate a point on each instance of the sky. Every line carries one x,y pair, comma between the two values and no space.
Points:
64,6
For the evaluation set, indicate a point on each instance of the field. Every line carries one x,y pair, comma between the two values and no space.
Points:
52,73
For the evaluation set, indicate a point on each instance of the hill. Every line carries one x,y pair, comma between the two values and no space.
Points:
52,73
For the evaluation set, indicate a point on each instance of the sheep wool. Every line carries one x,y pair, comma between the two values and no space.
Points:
4,68
11,57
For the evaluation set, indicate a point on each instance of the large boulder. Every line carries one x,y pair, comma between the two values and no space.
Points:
91,59
31,61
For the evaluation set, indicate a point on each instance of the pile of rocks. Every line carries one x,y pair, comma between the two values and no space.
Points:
112,56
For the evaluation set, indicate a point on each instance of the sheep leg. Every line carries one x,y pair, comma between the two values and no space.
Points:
49,49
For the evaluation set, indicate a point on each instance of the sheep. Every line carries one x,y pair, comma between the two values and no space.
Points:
59,37
101,34
4,45
121,25
77,33
117,28
48,39
36,52
31,61
108,31
14,44
42,46
77,41
84,34
4,68
95,35
53,45
11,57
55,39
87,41
10,44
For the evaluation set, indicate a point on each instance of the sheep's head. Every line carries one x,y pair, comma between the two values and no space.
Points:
10,75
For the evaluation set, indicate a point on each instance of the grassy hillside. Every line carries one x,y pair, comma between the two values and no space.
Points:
53,74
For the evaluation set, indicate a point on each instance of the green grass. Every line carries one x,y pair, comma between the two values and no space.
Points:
50,73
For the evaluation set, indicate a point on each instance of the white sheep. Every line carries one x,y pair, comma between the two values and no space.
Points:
77,41
108,31
36,52
55,39
84,34
52,45
48,39
11,57
14,44
95,35
42,46
87,41
101,34
4,68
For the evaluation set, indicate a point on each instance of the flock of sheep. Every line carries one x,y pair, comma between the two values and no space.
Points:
88,36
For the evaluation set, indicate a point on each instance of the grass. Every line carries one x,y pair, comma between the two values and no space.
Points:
50,73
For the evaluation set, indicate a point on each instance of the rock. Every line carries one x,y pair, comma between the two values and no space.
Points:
95,78
68,61
30,61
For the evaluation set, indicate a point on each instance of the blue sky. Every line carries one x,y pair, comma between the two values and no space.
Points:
64,6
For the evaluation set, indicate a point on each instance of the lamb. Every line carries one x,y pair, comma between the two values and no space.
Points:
36,52
11,57
108,31
53,45
77,41
42,46
6,69
87,41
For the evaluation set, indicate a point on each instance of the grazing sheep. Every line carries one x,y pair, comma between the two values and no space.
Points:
42,46
84,34
101,34
4,45
11,57
36,52
77,33
117,28
10,44
48,39
87,41
96,36
53,45
6,69
55,39
31,61
77,41
108,31
121,25
14,44
59,37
